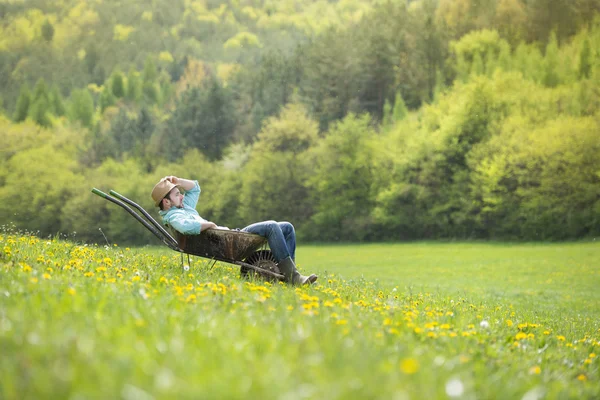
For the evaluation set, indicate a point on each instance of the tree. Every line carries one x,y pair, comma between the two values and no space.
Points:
82,107
395,113
39,111
107,99
150,73
274,179
22,108
341,179
56,102
47,31
551,77
134,86
585,60
204,118
117,84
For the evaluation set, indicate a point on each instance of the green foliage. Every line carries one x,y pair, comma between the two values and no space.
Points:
274,179
22,108
540,181
51,171
551,62
82,108
56,102
117,84
134,86
203,119
47,31
473,87
107,99
341,182
150,73
585,60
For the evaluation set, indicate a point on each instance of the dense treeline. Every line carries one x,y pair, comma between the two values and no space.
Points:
411,121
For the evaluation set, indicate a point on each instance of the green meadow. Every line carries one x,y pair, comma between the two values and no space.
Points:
423,320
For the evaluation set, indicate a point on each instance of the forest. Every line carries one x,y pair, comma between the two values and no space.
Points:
354,120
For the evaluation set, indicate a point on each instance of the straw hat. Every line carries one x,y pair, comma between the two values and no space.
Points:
161,189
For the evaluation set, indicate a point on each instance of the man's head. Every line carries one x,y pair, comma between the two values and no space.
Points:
166,195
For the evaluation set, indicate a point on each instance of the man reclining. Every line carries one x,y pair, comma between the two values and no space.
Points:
178,210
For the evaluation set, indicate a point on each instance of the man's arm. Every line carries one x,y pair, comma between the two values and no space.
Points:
182,223
185,184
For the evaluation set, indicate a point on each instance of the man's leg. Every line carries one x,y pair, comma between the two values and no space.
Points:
274,234
282,241
290,238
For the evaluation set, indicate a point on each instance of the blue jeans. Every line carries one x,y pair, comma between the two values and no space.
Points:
280,235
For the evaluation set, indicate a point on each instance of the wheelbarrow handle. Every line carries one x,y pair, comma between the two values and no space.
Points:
168,240
162,230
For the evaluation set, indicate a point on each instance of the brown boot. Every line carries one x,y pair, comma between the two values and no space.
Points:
291,274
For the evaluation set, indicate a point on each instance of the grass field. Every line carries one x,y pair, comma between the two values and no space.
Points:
388,321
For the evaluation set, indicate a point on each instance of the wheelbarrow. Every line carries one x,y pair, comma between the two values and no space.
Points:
247,250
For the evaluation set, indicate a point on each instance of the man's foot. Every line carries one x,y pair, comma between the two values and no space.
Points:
304,280
291,274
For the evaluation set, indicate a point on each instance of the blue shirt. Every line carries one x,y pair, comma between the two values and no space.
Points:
185,220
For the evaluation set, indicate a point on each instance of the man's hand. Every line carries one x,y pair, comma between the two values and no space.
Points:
173,179
208,225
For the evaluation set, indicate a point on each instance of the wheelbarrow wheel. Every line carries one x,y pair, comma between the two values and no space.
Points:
262,259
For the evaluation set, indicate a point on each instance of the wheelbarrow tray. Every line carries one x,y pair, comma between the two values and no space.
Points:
221,244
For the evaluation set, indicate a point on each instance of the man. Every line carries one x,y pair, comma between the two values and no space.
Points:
179,211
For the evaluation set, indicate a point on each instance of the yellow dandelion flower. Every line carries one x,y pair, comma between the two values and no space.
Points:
509,322
88,274
453,334
535,370
561,338
33,280
71,291
26,268
431,335
587,361
546,333
409,366
47,276
520,336
341,322
327,303
592,355
418,330
445,326
582,377
191,298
